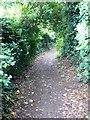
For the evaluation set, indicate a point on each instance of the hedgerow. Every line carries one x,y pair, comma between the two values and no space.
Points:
20,43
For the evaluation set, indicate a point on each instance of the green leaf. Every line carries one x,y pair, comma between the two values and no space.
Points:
13,63
26,103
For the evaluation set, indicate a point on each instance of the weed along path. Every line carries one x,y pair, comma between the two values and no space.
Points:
50,90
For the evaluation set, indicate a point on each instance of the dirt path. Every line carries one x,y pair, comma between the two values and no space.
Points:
41,93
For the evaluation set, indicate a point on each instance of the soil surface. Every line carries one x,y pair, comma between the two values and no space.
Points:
50,89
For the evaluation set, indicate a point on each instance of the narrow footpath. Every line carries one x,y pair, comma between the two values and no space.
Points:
46,90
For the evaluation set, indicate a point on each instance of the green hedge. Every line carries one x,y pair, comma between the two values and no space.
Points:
20,43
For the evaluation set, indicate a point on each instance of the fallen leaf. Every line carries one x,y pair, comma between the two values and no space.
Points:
42,109
32,93
26,103
13,113
36,109
7,97
31,101
18,91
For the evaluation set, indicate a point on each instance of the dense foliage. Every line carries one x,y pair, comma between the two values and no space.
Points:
83,39
34,26
21,41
